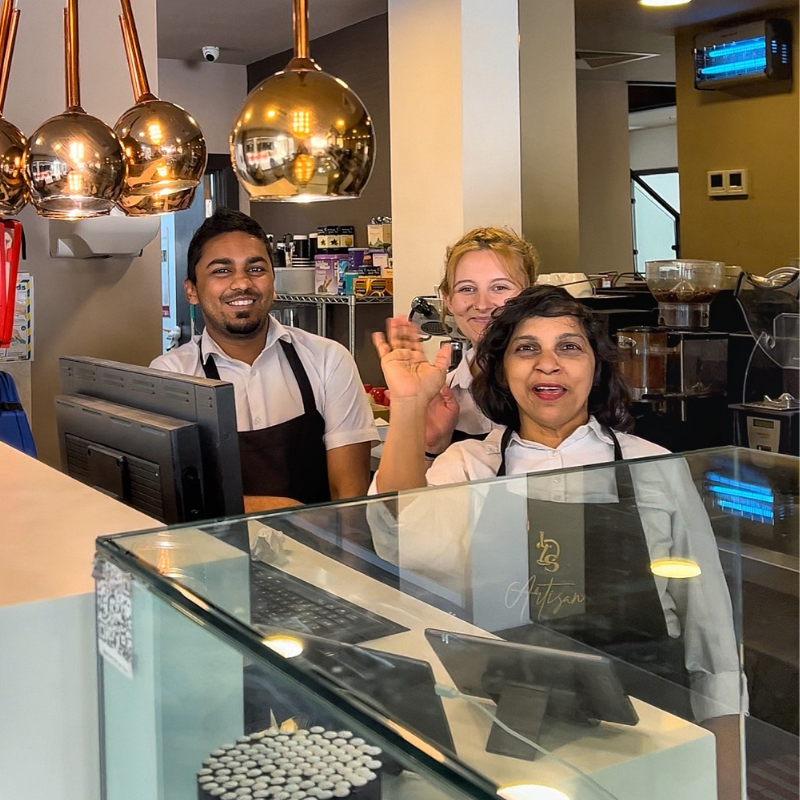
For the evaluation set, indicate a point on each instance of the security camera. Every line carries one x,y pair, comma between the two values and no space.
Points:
210,53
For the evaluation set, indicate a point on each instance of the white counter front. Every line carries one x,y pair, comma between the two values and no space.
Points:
48,673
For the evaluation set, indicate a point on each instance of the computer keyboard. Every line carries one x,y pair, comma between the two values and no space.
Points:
280,600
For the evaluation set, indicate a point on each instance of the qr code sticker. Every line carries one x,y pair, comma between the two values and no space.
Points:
114,616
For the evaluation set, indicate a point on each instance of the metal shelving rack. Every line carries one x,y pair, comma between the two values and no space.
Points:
321,301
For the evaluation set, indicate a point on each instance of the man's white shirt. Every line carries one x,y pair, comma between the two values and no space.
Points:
267,393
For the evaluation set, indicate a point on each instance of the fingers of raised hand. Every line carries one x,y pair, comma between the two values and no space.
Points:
403,335
442,360
382,347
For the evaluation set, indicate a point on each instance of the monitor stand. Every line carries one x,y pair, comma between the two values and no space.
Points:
522,707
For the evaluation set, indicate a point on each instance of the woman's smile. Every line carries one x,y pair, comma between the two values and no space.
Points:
549,391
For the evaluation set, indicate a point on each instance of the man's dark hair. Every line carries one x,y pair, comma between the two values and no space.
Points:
608,398
223,220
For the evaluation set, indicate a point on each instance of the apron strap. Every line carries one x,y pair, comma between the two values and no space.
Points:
209,366
306,392
617,448
508,432
300,375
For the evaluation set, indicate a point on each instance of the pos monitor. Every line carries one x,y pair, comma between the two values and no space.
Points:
530,683
164,443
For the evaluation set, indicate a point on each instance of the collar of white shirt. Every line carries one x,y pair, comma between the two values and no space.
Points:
275,332
591,428
462,375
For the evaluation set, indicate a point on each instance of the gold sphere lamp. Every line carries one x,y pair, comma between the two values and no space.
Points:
13,189
302,135
73,162
162,143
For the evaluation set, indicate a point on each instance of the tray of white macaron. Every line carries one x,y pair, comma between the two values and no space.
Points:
280,764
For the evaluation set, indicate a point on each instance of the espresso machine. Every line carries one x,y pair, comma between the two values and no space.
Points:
677,371
767,416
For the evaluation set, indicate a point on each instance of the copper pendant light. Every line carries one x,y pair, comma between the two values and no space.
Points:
163,145
13,189
73,162
302,134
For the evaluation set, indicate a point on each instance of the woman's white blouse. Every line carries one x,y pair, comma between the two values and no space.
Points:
473,460
436,534
471,419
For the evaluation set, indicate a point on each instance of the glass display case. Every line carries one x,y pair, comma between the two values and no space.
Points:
568,634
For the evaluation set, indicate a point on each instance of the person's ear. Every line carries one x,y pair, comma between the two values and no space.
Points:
191,292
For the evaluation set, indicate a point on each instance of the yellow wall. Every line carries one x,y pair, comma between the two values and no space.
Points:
757,129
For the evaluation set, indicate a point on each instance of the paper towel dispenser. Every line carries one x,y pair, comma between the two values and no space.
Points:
102,237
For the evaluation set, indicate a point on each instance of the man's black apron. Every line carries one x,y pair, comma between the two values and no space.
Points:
288,459
623,615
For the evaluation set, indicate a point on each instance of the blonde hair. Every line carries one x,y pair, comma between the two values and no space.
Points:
518,257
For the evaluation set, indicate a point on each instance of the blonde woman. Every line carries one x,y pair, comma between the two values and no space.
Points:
483,270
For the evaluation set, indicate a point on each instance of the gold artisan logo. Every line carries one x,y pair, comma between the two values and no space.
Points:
550,553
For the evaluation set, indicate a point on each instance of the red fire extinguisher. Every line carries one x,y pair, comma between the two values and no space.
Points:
10,251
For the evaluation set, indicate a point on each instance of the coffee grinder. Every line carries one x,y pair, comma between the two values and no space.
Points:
767,417
677,372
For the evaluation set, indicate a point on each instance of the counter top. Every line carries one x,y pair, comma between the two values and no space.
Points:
49,524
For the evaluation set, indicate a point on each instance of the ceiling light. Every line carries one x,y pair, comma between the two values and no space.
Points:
164,146
62,184
13,189
663,3
302,135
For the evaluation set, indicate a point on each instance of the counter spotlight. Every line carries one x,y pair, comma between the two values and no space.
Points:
663,3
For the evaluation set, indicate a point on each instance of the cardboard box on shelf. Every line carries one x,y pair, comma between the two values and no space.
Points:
379,235
328,269
335,238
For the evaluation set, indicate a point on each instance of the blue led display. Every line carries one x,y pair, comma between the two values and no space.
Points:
733,59
751,52
741,498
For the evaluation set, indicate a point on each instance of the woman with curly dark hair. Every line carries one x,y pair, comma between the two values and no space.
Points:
548,375
545,372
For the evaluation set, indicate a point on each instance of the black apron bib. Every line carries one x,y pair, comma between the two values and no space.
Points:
623,615
460,436
288,459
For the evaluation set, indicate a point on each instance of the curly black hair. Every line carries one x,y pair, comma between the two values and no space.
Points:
223,220
608,399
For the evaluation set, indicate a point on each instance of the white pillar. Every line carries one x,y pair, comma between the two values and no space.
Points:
549,132
455,130
605,186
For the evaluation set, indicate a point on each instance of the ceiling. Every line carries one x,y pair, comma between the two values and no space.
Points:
249,30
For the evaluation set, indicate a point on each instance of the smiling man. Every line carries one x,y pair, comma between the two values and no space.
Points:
305,425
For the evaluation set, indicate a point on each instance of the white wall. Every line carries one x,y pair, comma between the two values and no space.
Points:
604,177
455,130
107,308
211,93
654,148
